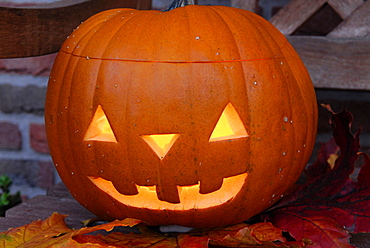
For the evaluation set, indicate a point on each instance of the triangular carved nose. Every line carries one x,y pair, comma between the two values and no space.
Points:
160,143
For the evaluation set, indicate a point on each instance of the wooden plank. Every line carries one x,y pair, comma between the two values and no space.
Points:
6,223
41,30
41,207
356,25
335,63
345,7
294,14
250,5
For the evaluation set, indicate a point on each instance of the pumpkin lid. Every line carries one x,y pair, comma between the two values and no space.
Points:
190,34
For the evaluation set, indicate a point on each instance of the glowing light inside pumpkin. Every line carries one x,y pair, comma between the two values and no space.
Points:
229,126
190,198
99,128
160,143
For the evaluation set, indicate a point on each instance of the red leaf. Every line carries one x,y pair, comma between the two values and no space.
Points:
329,192
364,174
322,230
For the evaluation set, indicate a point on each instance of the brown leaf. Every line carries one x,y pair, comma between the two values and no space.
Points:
54,232
244,235
36,233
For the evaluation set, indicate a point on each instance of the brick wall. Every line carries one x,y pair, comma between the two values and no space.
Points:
24,153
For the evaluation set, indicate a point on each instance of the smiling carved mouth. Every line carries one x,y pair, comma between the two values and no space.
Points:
190,198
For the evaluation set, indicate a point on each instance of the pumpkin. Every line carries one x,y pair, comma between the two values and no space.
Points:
201,116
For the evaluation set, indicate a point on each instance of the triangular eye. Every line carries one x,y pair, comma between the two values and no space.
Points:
229,126
99,128
160,143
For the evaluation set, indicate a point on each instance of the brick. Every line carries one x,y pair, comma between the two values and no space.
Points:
10,136
20,171
38,138
16,99
46,174
40,65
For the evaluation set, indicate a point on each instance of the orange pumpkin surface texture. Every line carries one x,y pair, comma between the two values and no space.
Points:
201,116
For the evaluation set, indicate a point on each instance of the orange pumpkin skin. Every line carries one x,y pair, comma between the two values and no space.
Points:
155,73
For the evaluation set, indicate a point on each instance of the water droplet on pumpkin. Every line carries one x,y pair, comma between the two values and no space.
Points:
273,196
285,119
291,122
281,63
88,145
197,38
255,83
284,153
72,173
280,169
87,57
299,151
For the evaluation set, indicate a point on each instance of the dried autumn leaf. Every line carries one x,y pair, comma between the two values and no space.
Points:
118,239
330,204
54,232
37,232
262,234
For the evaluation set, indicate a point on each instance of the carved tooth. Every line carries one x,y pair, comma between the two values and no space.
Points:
169,194
125,187
210,185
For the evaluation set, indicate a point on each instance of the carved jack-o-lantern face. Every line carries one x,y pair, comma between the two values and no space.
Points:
199,128
228,128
